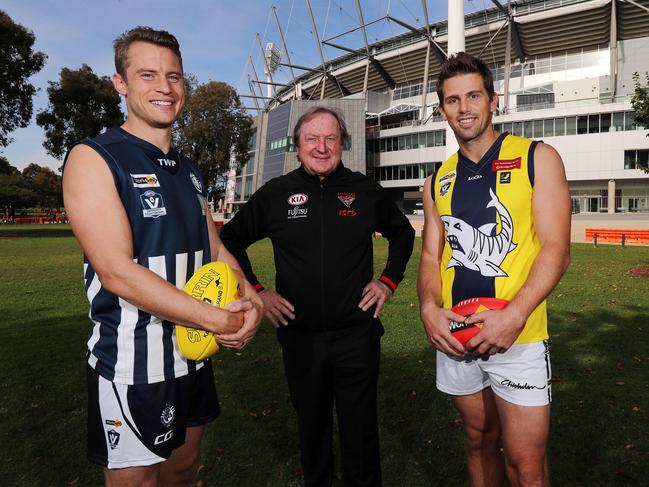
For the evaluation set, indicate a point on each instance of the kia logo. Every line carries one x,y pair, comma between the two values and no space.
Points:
297,199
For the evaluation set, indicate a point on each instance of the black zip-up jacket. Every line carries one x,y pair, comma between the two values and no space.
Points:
321,233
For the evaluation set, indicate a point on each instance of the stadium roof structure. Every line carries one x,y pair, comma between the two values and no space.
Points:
537,27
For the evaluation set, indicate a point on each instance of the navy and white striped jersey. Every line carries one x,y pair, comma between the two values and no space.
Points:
165,199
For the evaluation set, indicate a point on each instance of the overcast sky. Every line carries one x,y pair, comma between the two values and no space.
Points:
216,38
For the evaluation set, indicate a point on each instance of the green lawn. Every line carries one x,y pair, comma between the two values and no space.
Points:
599,322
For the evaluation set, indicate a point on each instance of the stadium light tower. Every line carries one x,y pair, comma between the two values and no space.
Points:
272,56
455,45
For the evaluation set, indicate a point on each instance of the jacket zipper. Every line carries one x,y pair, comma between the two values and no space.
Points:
322,250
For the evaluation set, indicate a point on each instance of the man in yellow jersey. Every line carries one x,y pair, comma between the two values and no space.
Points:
497,224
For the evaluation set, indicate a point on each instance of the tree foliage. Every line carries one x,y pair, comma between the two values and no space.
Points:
35,187
640,104
81,104
18,61
213,124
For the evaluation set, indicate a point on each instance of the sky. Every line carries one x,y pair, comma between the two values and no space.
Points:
217,37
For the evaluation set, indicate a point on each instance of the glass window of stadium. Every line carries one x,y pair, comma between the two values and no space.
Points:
618,121
559,126
605,122
571,125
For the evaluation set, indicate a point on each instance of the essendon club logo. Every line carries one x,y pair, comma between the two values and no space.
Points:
297,199
347,198
505,164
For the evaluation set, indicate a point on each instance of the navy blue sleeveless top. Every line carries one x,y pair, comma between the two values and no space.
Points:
164,196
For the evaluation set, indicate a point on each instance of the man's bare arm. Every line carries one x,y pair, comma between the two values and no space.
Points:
429,283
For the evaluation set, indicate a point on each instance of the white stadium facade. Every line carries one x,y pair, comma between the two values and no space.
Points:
569,82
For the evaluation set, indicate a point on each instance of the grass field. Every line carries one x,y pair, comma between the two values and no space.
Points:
599,322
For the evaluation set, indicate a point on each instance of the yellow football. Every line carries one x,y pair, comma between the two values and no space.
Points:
216,284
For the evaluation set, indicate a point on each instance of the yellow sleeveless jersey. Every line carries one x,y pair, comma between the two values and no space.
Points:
491,241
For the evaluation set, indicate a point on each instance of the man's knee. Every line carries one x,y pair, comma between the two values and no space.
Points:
528,470
180,471
483,435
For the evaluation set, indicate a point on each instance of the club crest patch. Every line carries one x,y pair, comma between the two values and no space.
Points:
347,198
167,416
145,181
113,438
196,182
447,177
152,204
444,189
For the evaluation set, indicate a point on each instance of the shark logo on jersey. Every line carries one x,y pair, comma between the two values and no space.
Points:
152,204
475,248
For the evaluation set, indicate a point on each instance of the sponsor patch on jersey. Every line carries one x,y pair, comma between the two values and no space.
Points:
145,181
472,178
447,177
297,199
505,164
505,177
347,213
203,202
196,182
444,189
114,422
152,204
347,198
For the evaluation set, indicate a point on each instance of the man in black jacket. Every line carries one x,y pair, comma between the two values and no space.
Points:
320,219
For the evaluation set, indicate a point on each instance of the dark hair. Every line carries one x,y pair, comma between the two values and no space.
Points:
463,63
311,113
160,38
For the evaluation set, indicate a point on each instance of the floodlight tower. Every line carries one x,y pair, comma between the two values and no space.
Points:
272,58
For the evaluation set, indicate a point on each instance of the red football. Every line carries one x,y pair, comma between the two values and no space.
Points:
464,332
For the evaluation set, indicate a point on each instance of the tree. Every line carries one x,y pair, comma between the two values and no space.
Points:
81,105
18,62
6,168
640,104
213,125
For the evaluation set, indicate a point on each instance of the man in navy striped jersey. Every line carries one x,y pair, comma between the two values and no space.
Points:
138,209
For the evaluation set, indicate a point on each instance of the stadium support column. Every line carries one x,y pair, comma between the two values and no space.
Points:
316,36
424,83
455,45
613,50
359,11
611,195
508,57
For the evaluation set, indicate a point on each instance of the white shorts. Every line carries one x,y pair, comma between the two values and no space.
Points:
521,375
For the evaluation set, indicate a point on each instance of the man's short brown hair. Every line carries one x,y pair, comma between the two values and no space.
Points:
160,38
463,63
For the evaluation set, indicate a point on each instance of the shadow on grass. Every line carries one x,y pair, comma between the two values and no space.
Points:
10,231
599,434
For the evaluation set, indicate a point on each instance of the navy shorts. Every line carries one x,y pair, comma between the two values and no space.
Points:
140,425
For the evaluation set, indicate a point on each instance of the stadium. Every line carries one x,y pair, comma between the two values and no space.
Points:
563,71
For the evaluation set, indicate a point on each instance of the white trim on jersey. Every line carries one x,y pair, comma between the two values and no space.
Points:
180,362
198,260
93,290
155,359
126,342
